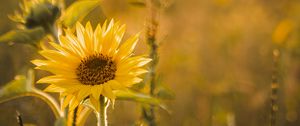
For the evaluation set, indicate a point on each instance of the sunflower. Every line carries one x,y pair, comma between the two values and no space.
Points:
91,63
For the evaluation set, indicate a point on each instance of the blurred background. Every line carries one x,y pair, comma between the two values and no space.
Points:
215,55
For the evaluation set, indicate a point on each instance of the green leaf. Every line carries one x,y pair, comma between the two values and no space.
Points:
78,10
23,86
28,36
15,89
140,97
137,97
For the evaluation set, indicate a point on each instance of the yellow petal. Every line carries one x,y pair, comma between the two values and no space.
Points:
89,38
95,103
117,34
72,38
107,92
129,81
110,26
73,103
50,62
65,50
55,69
50,79
96,91
67,100
89,29
115,85
83,92
98,39
40,62
59,57
127,48
120,33
138,71
135,80
134,72
66,80
80,36
104,26
44,46
68,44
108,40
72,88
53,88
133,62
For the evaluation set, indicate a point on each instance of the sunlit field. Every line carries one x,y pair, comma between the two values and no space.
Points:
149,63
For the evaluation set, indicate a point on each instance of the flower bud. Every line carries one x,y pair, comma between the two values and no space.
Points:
42,14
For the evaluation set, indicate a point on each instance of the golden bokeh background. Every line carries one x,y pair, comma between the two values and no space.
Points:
215,55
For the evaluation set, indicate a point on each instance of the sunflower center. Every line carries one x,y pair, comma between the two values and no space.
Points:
96,69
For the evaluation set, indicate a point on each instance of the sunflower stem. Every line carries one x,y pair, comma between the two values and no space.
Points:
101,115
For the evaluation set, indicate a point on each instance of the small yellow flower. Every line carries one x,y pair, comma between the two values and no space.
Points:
91,63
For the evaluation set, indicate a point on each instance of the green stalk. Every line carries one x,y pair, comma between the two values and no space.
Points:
274,88
149,115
